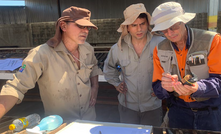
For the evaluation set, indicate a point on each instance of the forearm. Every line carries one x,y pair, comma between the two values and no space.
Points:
210,87
6,103
94,90
94,82
159,91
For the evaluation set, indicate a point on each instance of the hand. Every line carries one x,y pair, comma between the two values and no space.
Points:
93,98
152,93
185,89
168,80
122,87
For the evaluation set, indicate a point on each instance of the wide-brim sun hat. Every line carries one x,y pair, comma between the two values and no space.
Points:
131,13
80,16
167,14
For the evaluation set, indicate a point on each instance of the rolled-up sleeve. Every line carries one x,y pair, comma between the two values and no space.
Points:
95,70
26,79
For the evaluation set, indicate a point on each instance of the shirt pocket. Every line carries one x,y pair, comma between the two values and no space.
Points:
197,62
165,59
150,64
126,67
85,72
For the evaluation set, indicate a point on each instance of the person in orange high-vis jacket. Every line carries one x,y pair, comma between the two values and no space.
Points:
187,51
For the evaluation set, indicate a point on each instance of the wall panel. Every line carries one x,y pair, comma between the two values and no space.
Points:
41,10
47,10
12,15
194,6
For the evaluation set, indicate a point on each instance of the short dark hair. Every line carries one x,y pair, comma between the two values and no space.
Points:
143,15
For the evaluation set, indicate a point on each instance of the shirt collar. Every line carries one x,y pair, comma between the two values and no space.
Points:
188,42
61,47
82,49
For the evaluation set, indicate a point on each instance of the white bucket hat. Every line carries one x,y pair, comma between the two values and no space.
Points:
167,14
131,13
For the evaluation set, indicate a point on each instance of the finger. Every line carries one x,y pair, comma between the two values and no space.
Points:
167,84
179,88
166,74
167,79
191,89
121,85
125,87
175,78
122,89
153,94
167,87
176,88
185,90
92,102
119,90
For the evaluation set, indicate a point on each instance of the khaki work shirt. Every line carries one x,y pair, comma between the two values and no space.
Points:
138,73
65,90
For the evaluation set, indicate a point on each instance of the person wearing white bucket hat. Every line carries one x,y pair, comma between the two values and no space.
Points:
133,54
187,69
